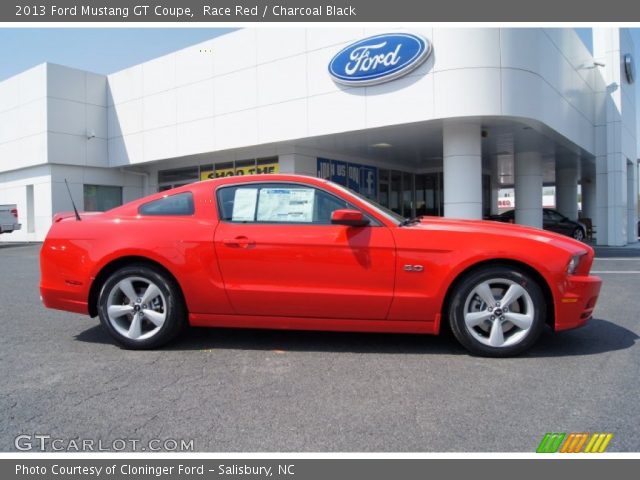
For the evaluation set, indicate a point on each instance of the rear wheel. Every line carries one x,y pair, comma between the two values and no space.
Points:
141,307
497,311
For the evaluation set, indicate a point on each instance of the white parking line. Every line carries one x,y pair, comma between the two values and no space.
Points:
615,271
616,258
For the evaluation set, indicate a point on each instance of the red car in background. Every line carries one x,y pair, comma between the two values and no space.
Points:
295,252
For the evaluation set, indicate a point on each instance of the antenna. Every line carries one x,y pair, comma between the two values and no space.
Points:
72,202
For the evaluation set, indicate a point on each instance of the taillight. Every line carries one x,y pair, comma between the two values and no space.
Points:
14,212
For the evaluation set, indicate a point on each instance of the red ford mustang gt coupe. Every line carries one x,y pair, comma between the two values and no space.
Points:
295,252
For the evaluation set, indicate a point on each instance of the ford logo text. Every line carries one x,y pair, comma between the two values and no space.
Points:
379,58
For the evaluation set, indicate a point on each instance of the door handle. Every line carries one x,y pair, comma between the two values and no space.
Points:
239,242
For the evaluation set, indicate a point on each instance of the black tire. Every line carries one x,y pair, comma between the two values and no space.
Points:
465,300
578,234
168,303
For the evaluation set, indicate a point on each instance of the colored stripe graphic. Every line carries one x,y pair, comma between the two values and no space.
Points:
574,442
550,443
598,443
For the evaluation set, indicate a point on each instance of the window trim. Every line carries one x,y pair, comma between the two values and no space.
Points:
373,222
188,192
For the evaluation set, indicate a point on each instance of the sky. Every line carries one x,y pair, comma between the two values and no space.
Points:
98,50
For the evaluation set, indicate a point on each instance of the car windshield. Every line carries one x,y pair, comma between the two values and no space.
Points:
385,212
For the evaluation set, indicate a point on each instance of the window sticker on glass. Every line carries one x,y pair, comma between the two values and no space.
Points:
286,205
244,205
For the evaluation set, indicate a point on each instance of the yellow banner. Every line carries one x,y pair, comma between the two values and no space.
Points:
250,170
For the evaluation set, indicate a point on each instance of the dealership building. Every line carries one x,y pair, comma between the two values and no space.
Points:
427,121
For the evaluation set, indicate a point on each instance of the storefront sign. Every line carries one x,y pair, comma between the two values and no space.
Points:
369,182
379,58
359,178
249,170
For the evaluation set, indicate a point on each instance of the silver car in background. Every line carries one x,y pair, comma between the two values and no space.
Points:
9,218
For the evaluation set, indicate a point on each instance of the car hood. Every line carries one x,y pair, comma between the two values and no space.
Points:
509,230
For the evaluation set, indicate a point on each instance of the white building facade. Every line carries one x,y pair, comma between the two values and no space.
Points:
486,109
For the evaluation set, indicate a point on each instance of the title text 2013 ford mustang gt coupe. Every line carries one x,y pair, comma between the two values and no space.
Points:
295,252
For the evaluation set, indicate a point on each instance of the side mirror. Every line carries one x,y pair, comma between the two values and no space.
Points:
351,218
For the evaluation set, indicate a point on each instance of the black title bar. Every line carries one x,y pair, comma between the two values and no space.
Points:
319,11
316,469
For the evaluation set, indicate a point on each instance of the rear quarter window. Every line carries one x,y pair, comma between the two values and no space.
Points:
179,204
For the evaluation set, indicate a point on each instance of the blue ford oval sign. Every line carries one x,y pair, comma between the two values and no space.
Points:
379,58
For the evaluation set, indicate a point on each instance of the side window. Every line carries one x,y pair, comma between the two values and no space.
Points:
325,205
180,204
553,216
277,203
226,197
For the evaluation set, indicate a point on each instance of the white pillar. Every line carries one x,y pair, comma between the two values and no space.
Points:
494,185
600,223
462,170
617,201
495,193
567,191
495,196
615,146
588,193
528,188
632,202
297,163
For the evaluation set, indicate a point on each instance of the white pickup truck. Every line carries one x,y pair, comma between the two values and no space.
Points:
9,219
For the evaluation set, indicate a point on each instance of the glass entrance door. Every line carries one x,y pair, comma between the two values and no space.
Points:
395,191
429,198
401,193
411,194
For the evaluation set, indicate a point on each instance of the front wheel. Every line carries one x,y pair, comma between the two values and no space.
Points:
497,311
578,234
141,307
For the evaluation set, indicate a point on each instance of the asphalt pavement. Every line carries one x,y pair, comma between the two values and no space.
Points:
271,391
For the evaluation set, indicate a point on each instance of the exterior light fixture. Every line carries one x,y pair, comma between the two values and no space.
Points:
629,67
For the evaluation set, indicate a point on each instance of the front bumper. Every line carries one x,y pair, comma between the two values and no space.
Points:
575,306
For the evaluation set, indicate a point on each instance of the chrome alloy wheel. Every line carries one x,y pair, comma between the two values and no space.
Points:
136,308
499,313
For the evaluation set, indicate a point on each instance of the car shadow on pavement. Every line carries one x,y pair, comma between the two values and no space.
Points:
197,338
599,336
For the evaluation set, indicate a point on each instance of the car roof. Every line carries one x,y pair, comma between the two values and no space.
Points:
261,178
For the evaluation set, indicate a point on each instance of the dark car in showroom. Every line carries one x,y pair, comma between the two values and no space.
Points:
552,220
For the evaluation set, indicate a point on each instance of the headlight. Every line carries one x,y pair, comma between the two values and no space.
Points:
574,263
